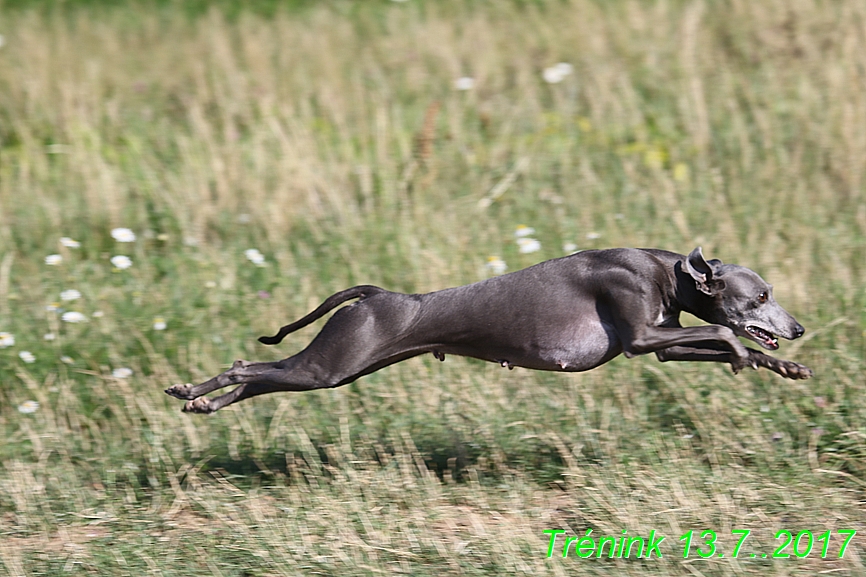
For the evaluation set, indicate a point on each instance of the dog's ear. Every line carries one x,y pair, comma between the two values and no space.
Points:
704,273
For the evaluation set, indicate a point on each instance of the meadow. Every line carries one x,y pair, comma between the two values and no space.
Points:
250,164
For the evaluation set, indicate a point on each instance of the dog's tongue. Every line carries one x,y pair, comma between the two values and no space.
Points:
770,341
767,339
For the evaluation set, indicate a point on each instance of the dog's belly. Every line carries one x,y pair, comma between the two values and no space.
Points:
583,348
572,349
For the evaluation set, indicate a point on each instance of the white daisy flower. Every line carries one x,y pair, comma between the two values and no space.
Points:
569,247
98,314
73,317
27,357
255,257
121,262
593,235
49,337
564,68
70,295
464,83
6,340
552,75
159,324
123,235
523,230
28,407
67,359
496,265
527,245
53,259
121,373
557,73
69,243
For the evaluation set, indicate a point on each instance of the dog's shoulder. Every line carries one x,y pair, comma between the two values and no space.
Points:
628,257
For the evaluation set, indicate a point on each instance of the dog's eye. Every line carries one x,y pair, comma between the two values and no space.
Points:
762,298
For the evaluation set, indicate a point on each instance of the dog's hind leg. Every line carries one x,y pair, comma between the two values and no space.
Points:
241,372
284,380
205,405
356,341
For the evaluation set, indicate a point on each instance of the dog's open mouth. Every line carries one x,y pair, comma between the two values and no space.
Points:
762,337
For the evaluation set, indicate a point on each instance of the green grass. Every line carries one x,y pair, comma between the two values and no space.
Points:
332,139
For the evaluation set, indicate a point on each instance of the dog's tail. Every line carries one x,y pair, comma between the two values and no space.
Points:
332,302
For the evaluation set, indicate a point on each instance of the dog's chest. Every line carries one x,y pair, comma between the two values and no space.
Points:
666,318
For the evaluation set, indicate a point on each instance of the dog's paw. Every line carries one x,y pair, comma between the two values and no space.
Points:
792,370
180,391
200,405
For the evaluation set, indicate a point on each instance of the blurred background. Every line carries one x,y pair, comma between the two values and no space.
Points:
179,178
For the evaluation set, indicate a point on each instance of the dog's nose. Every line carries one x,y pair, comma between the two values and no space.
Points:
798,331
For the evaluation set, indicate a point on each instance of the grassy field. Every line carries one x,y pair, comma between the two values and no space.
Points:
335,141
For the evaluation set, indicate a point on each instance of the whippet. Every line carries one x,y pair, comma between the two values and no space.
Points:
567,314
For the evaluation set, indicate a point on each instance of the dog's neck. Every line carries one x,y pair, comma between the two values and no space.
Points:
690,299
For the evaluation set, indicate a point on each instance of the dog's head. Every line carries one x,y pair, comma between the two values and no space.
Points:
742,301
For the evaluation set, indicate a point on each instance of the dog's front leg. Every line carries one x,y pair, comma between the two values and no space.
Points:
711,337
788,369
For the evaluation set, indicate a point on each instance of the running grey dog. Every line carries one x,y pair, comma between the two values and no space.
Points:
568,314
